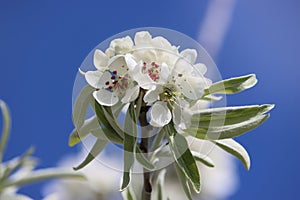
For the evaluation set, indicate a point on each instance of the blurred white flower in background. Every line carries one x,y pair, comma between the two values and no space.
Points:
11,194
102,182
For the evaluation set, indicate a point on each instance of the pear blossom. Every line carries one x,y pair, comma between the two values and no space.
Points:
119,46
111,79
170,79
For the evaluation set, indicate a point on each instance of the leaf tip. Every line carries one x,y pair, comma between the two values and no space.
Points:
74,139
76,168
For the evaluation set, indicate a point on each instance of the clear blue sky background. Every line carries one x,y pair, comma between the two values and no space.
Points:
42,43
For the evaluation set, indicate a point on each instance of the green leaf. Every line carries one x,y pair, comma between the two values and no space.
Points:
81,105
112,119
229,115
40,175
234,148
77,135
128,194
143,160
158,139
96,150
232,85
5,129
130,135
109,132
185,159
184,182
160,182
227,131
227,122
203,159
90,125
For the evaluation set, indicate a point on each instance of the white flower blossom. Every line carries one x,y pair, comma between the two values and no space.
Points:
171,79
111,79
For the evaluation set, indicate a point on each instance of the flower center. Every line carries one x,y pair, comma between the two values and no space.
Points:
117,83
152,70
169,93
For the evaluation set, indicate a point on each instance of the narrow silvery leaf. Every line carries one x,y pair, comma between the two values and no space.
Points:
81,105
128,194
229,115
232,85
130,134
79,134
203,159
235,149
158,139
140,157
89,126
96,150
109,132
15,163
41,175
185,159
74,138
184,182
6,127
228,131
112,119
160,182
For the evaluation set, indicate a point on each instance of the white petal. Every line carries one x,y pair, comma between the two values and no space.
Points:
190,55
130,61
191,87
143,80
110,52
160,114
181,115
105,97
131,94
164,73
142,37
161,43
182,66
152,95
93,78
122,45
200,68
144,54
100,59
118,64
105,80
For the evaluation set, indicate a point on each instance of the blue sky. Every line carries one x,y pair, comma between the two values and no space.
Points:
42,43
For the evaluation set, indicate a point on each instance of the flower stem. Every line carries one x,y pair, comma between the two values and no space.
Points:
144,145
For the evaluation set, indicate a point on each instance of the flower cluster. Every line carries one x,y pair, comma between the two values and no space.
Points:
171,79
